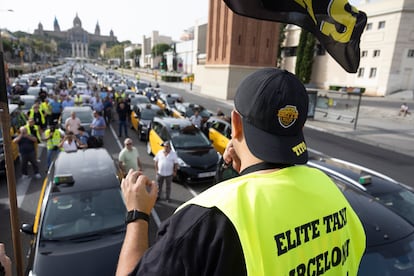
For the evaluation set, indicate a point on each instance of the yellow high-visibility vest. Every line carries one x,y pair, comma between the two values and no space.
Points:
42,116
294,221
56,138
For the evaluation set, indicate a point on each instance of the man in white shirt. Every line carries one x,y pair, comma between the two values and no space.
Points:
73,123
196,118
166,166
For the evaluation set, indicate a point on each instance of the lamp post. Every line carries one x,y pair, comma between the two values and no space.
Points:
11,179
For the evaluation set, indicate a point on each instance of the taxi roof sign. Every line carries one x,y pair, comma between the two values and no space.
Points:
63,179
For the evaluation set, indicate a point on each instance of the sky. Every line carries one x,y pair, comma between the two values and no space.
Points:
129,19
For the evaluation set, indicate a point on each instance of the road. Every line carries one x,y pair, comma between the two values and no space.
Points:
396,165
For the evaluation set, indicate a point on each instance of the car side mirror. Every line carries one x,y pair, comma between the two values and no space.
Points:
27,228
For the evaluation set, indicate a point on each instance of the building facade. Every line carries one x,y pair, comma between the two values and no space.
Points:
235,47
76,42
148,60
387,52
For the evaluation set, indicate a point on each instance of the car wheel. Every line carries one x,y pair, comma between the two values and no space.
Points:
149,151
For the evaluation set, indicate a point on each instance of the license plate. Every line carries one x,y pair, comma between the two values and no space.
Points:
206,174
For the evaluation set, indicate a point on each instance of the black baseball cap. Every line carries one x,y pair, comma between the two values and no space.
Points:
273,104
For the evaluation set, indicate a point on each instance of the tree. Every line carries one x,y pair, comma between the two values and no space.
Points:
159,49
304,56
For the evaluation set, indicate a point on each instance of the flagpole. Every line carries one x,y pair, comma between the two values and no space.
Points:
11,178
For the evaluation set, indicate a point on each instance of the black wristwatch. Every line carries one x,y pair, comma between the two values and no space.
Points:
134,215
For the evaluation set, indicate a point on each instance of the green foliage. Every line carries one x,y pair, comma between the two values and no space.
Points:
159,49
304,56
135,53
116,51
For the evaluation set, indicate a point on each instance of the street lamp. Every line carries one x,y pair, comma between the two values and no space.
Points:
1,40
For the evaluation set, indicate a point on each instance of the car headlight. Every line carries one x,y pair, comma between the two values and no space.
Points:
181,163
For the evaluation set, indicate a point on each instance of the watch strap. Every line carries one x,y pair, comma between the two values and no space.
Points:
134,215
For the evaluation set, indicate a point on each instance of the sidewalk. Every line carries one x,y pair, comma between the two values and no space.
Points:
381,127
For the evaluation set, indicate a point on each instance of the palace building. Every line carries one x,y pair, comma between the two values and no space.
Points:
77,42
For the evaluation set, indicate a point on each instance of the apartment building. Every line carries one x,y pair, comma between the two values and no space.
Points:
387,51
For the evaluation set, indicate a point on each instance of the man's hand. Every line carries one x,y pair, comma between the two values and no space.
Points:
230,156
139,192
5,261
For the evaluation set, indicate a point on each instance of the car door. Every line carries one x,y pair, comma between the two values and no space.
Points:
219,135
135,117
155,138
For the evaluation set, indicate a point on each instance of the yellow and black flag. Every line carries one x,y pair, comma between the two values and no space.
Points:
337,24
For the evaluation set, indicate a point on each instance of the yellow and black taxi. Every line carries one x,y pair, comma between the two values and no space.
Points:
142,116
218,130
79,224
138,99
167,100
187,109
17,119
197,157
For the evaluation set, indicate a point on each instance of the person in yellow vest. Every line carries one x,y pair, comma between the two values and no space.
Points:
46,108
34,130
38,116
78,100
52,137
279,217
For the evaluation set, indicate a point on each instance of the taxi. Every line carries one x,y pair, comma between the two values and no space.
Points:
17,120
84,113
197,158
75,231
142,115
218,130
166,101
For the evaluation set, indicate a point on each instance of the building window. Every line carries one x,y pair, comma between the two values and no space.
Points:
381,25
289,51
372,73
368,27
376,53
364,53
410,53
361,72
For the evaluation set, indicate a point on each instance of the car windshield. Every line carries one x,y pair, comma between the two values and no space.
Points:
137,100
149,114
85,213
395,258
28,103
84,116
401,202
142,85
189,137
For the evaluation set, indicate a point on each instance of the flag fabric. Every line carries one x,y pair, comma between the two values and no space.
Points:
337,24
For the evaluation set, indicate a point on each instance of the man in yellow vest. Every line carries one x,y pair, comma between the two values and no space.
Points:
38,116
34,130
52,137
279,217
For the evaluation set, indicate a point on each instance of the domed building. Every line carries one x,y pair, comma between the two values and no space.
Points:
77,42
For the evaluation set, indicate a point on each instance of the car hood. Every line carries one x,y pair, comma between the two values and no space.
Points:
91,257
202,158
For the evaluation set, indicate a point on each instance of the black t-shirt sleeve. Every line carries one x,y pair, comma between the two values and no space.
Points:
194,241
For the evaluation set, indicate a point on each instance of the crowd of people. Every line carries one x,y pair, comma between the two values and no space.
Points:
42,121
